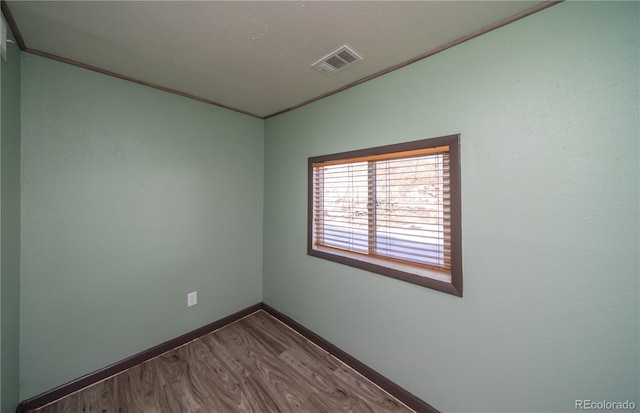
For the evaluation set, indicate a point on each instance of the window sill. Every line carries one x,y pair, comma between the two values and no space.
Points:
417,275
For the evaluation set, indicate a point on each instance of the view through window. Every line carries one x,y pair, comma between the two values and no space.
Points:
390,207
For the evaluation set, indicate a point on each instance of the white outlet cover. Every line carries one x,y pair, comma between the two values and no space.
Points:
192,299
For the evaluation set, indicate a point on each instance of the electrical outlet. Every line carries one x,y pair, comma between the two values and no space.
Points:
192,298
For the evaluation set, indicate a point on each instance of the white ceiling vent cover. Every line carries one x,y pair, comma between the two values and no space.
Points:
337,60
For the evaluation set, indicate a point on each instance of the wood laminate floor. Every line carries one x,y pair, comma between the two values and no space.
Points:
256,364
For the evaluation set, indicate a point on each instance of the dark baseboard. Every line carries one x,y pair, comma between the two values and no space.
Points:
390,387
73,386
92,378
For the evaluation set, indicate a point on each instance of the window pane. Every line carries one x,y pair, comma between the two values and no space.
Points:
410,209
393,210
344,210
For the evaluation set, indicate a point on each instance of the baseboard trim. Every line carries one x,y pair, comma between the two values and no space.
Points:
64,390
99,375
390,387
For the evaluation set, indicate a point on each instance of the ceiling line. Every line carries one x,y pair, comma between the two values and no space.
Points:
19,39
138,81
511,19
4,7
23,46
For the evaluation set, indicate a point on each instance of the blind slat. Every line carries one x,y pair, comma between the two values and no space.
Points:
397,208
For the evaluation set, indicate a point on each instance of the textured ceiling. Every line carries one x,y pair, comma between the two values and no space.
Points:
251,56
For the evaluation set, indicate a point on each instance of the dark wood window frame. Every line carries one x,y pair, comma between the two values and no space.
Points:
409,273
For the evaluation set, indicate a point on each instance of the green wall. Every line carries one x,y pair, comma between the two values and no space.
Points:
548,112
9,229
131,198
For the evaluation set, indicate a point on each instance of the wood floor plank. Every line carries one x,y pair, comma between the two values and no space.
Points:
257,398
267,369
228,359
137,387
283,396
212,378
255,365
350,405
182,395
372,394
279,332
328,390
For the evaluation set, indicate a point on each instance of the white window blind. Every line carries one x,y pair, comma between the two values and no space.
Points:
392,206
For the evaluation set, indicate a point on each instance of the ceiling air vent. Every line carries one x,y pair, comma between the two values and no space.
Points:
337,60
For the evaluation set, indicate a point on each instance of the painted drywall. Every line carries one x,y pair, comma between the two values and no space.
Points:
10,229
131,198
547,108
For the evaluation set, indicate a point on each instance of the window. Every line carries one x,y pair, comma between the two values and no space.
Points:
393,210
